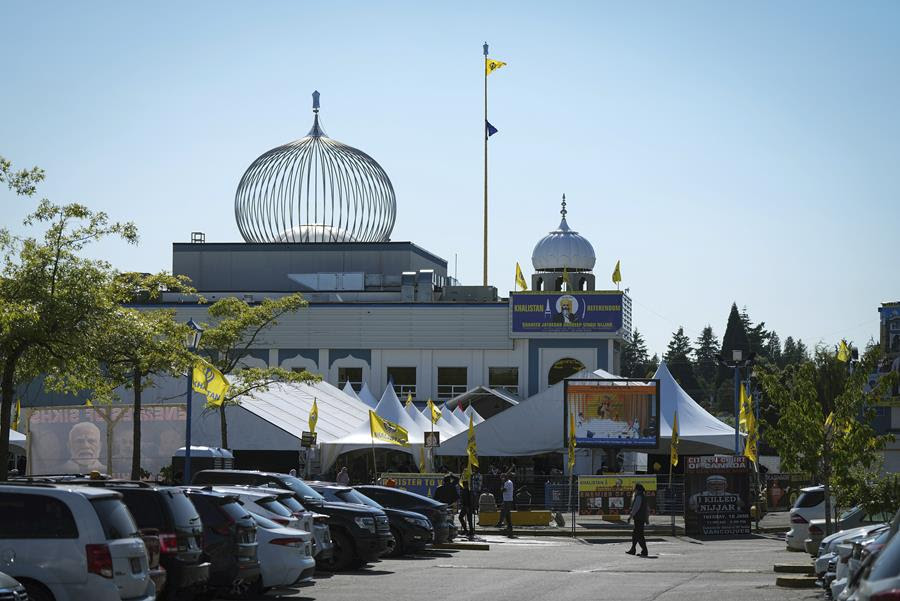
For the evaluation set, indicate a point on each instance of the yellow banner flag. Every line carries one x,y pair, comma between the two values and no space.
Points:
471,448
17,413
387,431
571,441
422,459
843,353
209,381
88,403
314,416
409,400
746,410
435,412
747,424
617,273
490,65
673,459
520,278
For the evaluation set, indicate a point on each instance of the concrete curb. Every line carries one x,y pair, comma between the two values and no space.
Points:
463,546
793,568
796,581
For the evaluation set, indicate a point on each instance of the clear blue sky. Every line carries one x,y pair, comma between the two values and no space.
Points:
724,152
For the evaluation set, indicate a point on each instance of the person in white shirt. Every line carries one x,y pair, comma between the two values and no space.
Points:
506,511
343,477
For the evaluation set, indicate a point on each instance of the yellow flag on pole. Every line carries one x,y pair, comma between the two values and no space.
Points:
422,459
387,431
491,65
617,273
409,400
673,460
571,441
435,412
209,381
16,416
843,352
88,403
471,451
748,425
313,416
520,279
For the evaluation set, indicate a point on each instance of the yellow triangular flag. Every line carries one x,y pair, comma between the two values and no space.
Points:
843,352
88,403
16,415
209,381
471,448
387,431
435,412
313,416
617,273
673,459
491,65
409,400
520,279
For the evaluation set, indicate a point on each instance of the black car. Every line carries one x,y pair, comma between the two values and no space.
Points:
169,513
360,534
438,513
229,542
412,531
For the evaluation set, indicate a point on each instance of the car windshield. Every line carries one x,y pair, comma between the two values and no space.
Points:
272,504
291,503
183,511
115,518
349,495
302,488
849,513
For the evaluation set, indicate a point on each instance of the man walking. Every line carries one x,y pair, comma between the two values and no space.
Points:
446,493
465,509
506,511
640,514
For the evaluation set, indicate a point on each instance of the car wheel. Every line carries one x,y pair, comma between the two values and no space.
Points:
37,591
343,556
399,548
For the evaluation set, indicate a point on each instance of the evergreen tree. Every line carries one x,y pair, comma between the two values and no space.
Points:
652,366
705,364
735,339
789,352
678,359
634,357
773,349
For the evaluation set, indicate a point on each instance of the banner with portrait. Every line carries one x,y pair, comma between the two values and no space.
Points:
612,413
79,440
611,495
717,495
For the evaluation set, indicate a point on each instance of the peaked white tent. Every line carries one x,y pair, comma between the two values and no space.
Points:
535,425
389,408
16,439
366,396
477,418
423,422
699,432
448,430
453,423
461,416
348,389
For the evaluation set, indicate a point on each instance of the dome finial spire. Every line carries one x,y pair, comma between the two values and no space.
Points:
316,130
563,211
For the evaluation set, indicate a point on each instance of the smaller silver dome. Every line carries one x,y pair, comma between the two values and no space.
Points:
562,249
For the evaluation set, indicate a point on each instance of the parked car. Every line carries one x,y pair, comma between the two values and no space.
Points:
71,543
168,512
157,572
810,505
412,531
439,514
11,589
360,534
263,503
852,518
849,562
878,577
310,521
828,546
285,554
229,542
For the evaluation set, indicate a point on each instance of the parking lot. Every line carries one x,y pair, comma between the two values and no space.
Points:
558,568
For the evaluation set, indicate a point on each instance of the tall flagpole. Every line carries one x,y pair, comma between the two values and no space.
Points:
484,128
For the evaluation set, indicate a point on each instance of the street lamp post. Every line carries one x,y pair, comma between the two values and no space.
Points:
736,362
192,342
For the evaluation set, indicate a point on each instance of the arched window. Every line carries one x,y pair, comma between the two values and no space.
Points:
539,284
562,369
582,284
558,285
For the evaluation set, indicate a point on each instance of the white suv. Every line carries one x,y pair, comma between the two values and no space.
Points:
810,505
72,544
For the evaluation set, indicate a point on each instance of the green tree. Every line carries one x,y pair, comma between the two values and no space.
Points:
824,426
52,300
735,339
236,327
132,346
652,365
634,357
706,365
678,359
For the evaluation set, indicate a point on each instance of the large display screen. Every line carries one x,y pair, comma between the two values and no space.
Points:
79,440
613,413
566,312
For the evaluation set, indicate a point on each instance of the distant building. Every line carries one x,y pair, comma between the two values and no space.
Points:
887,419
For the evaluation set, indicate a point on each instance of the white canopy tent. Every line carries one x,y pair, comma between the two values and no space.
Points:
17,439
389,408
423,422
453,423
477,418
535,425
366,396
461,415
447,429
348,389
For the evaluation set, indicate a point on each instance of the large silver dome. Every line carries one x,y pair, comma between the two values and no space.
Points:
562,249
315,189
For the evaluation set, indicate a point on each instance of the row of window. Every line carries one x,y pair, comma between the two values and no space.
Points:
451,381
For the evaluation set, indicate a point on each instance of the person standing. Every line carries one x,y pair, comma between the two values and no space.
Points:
506,511
466,501
640,514
343,477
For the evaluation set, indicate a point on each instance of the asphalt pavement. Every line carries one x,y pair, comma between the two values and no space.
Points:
560,569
